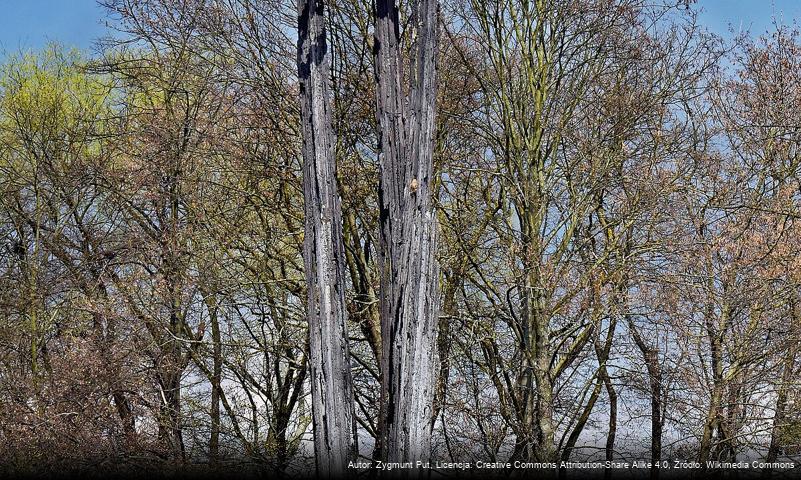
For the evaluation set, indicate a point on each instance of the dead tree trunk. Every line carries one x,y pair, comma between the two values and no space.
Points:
324,255
408,230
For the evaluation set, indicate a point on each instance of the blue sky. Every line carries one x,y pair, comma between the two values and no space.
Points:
31,24
753,15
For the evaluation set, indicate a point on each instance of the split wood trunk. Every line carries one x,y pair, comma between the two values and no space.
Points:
408,230
333,417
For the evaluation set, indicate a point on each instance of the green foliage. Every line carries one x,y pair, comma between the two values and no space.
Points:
49,104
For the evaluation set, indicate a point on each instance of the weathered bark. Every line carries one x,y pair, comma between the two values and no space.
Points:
408,231
324,254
